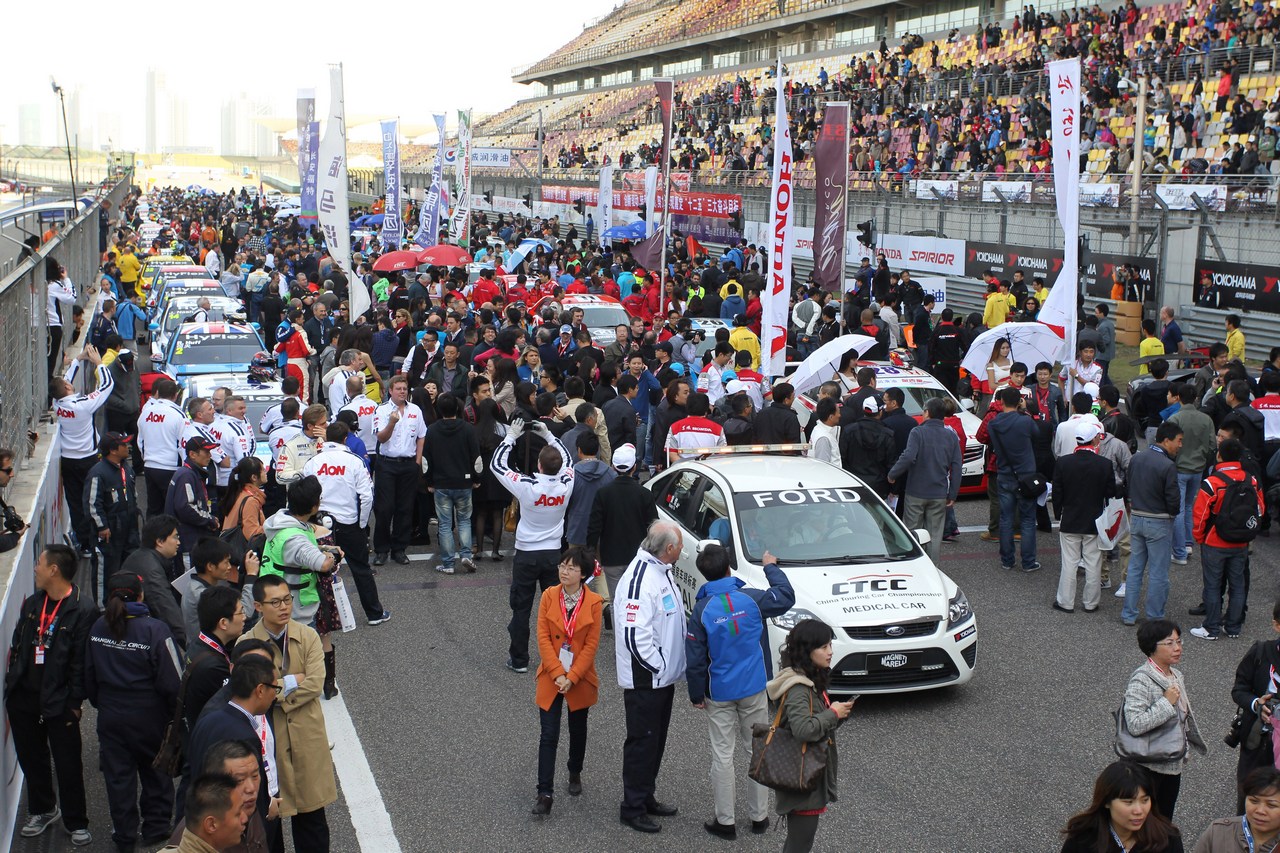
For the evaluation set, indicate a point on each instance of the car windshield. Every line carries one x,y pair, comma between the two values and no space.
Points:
603,316
821,527
215,349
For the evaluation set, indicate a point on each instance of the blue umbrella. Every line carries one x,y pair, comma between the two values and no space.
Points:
194,188
632,231
370,220
527,246
565,280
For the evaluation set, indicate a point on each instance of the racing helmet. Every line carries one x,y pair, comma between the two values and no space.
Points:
262,368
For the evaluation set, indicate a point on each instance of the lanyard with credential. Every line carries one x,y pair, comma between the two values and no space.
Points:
204,638
1116,839
1248,833
46,622
570,624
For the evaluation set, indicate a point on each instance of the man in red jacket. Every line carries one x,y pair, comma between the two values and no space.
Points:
1224,561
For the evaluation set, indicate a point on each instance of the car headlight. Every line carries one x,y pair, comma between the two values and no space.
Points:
958,609
791,618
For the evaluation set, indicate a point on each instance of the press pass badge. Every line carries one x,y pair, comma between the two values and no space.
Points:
39,655
566,657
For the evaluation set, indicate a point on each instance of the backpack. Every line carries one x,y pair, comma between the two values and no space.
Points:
1237,518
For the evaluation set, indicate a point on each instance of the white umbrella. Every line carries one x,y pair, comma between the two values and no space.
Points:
823,363
1029,343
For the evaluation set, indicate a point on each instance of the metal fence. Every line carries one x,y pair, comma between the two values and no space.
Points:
24,328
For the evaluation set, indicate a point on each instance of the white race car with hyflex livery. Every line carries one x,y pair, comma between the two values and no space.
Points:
900,623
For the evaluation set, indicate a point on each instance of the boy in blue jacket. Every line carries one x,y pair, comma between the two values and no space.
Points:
728,663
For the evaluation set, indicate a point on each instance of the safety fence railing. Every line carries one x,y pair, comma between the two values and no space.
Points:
24,326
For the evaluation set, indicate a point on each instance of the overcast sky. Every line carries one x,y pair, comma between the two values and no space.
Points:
440,57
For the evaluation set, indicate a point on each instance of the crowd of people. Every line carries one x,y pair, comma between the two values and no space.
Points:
952,106
483,405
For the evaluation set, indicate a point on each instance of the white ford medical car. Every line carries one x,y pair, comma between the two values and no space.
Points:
900,623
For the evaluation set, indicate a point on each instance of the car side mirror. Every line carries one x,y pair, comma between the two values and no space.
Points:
922,536
703,544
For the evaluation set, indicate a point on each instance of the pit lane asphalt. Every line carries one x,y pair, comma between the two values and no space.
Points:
1000,763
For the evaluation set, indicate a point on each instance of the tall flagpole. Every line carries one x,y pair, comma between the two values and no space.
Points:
668,120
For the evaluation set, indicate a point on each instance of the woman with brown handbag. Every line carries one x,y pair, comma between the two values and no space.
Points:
569,620
811,717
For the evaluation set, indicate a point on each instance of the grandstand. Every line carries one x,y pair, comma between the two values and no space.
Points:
596,104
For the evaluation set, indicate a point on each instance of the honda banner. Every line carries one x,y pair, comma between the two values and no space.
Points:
1060,310
919,254
831,172
777,291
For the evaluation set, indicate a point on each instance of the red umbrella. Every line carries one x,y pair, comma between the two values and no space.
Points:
444,255
393,261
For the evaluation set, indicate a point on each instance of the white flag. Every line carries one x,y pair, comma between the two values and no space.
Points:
650,199
331,183
1059,309
775,301
460,224
604,204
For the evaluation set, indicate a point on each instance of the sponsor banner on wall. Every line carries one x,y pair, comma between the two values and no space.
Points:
1005,260
1237,287
492,158
1179,196
1097,274
1013,191
947,189
705,229
935,286
1099,195
715,205
910,252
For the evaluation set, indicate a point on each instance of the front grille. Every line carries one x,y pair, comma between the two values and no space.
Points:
879,632
942,671
974,452
970,654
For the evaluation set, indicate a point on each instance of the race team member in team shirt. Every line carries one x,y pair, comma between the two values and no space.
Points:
694,432
160,426
78,436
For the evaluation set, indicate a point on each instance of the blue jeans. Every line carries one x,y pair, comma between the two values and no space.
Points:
1151,543
453,505
1215,563
1188,486
1007,484
644,441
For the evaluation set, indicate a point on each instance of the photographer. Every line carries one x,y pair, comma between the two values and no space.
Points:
14,526
1254,693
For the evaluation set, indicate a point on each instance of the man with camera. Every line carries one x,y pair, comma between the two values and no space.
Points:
14,526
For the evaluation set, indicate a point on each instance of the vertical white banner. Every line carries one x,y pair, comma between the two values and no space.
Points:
1059,309
777,290
392,224
331,184
460,224
604,204
650,200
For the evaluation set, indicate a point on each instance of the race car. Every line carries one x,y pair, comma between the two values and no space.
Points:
258,397
919,386
199,348
153,264
167,275
177,306
900,623
601,314
209,287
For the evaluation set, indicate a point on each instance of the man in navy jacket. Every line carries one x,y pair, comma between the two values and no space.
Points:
728,663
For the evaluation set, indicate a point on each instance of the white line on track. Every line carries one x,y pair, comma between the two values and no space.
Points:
364,800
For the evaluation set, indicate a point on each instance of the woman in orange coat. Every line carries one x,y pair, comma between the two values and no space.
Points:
568,636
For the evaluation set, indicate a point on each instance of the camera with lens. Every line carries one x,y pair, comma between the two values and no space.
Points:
13,522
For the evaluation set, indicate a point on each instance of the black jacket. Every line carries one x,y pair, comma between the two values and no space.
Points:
867,452
777,424
739,430
1252,427
418,364
141,672
1083,482
851,407
154,571
620,514
452,454
620,420
461,380
62,686
900,424
124,403
1253,679
228,723
208,670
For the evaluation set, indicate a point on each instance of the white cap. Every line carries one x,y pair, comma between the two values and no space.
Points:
1091,388
624,458
1087,430
735,386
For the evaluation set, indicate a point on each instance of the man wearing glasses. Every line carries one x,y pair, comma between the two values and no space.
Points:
307,782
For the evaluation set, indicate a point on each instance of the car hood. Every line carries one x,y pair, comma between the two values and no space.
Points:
909,591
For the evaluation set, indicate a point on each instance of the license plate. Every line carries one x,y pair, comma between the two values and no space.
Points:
891,661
